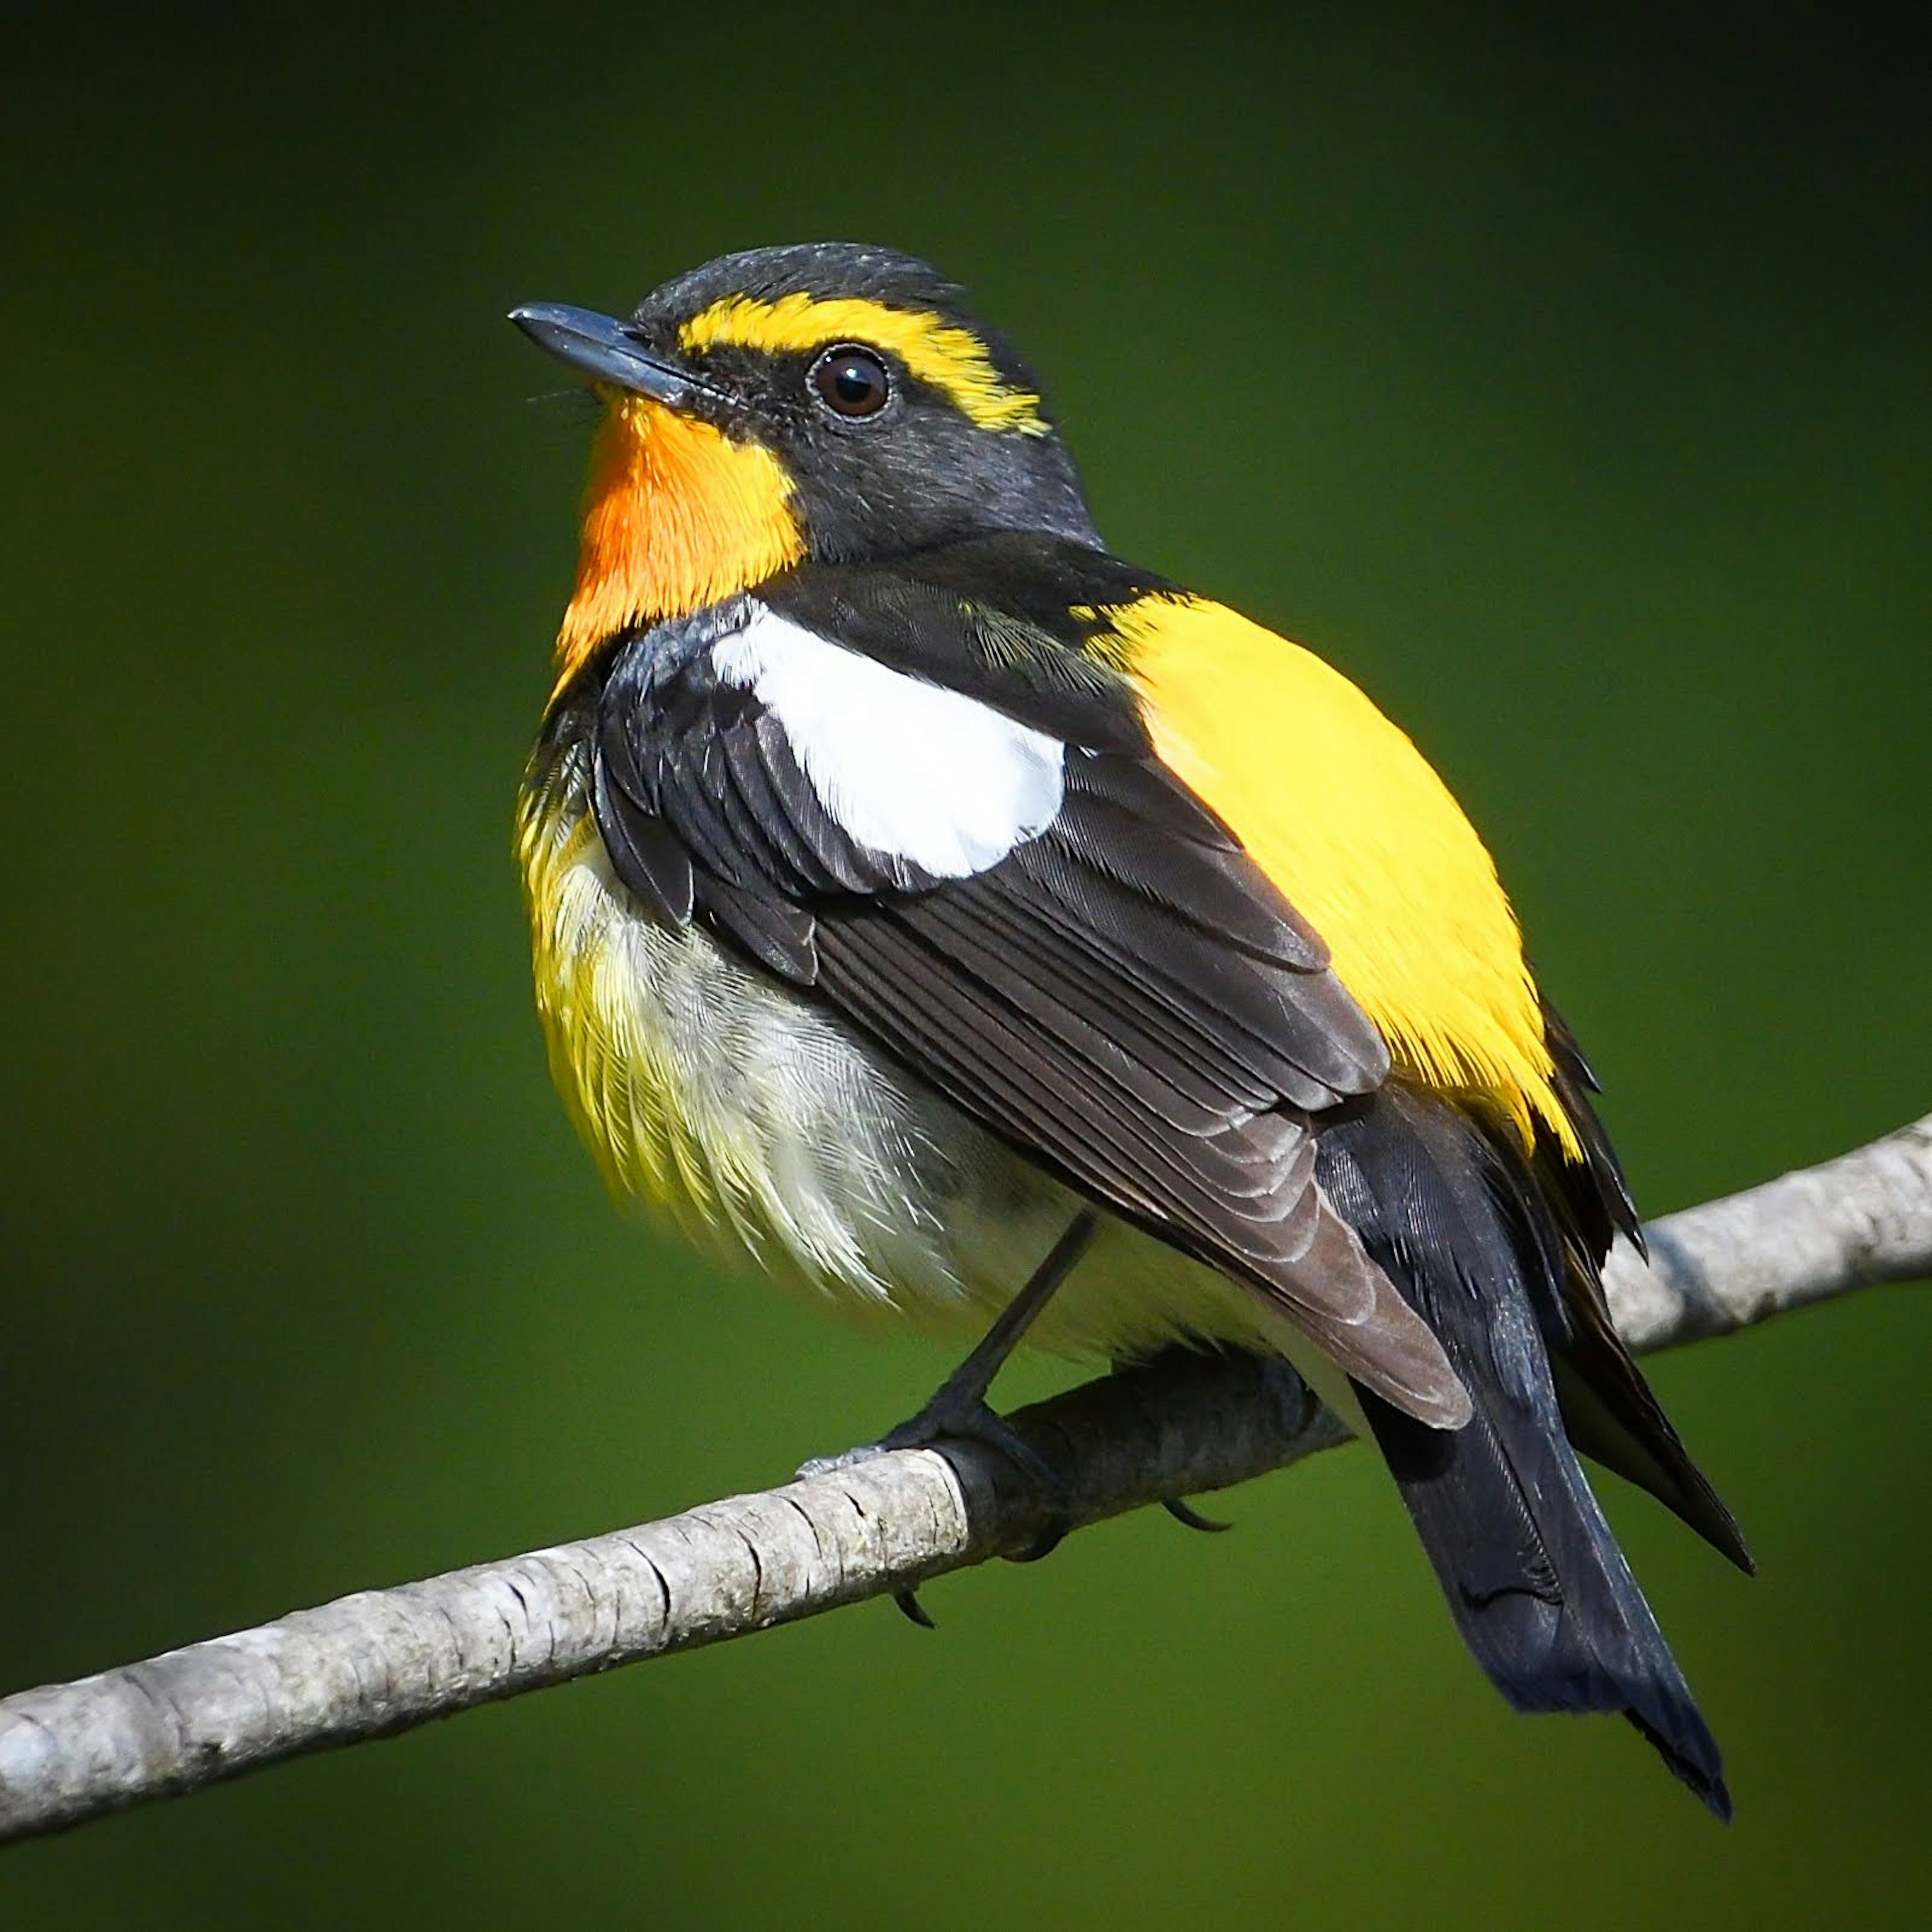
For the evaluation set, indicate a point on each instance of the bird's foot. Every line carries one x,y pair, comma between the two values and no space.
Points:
957,1415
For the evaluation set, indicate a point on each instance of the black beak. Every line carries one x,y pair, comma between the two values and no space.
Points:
601,350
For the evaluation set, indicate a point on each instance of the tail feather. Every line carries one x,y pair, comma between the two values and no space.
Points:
1608,1408
1539,1589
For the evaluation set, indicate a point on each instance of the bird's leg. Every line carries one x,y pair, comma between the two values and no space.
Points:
958,1408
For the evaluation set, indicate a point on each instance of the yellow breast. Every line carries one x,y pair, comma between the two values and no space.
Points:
1351,822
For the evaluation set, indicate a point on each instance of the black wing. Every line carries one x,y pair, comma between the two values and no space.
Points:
1122,993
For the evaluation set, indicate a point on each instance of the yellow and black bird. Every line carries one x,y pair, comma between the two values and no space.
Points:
976,928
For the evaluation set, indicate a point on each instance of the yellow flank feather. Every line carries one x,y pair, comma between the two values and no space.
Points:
939,353
1352,823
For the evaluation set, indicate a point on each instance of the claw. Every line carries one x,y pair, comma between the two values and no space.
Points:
914,1610
1045,1544
1184,1513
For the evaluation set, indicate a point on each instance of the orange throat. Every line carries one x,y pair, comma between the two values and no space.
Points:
676,516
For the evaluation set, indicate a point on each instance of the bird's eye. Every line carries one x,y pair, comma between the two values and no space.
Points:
851,382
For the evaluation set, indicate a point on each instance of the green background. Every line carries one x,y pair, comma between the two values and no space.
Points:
1571,388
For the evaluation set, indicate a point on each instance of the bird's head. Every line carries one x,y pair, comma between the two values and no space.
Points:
831,401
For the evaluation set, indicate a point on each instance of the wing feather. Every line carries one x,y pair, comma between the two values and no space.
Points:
1124,995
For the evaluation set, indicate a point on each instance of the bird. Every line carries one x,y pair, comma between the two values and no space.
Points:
981,931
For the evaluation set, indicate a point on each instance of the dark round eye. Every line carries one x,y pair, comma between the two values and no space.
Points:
851,382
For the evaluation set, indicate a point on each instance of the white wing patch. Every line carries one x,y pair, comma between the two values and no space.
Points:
906,767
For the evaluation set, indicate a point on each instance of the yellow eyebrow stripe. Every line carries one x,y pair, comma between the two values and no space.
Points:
939,353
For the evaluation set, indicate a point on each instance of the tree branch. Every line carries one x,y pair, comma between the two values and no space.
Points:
383,1660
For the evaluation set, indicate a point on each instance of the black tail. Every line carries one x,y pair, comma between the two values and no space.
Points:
1539,1590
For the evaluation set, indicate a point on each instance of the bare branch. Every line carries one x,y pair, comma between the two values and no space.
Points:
382,1660
1857,1221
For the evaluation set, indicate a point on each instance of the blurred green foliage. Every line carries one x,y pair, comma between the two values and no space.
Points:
1569,386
